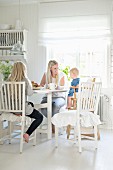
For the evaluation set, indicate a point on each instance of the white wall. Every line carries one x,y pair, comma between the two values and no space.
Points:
29,16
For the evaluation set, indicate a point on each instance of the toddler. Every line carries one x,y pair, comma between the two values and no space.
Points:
74,72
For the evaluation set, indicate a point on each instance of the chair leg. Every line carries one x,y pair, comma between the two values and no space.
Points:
98,134
10,131
56,136
74,105
21,137
68,131
34,140
95,136
79,137
1,133
75,134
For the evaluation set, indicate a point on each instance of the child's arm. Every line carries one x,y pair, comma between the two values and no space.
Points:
75,87
75,84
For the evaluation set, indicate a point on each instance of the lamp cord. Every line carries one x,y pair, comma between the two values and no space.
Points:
19,9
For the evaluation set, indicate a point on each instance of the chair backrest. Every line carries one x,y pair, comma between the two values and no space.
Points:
92,79
88,96
12,97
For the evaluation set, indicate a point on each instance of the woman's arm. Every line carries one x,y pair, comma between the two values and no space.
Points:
62,81
43,81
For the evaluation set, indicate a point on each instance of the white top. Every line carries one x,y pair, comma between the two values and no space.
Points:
59,94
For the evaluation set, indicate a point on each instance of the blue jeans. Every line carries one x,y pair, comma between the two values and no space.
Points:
57,103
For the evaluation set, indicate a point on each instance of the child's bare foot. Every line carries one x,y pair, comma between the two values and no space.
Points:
26,137
68,107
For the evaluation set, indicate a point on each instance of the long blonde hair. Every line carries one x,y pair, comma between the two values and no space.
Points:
18,72
49,76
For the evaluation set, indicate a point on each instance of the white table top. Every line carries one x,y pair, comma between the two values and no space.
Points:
45,91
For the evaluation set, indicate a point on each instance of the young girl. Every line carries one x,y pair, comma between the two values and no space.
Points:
19,73
74,72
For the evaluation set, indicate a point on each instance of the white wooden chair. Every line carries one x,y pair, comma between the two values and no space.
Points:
85,115
12,101
86,131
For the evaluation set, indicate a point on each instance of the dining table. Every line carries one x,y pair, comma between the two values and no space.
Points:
47,105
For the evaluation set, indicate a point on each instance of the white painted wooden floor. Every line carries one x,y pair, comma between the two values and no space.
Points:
44,156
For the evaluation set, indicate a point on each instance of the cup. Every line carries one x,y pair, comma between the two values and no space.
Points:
52,86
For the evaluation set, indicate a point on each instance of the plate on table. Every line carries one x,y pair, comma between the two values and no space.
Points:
38,88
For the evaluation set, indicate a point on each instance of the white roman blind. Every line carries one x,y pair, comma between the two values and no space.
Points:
57,28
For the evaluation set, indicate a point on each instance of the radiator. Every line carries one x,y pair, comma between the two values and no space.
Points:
103,108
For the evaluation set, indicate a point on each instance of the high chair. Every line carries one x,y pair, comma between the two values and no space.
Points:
74,98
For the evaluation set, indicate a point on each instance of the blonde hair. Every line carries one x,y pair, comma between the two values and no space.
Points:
49,76
18,72
74,71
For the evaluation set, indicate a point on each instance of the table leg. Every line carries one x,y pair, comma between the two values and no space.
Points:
49,113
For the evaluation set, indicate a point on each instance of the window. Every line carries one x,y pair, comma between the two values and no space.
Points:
90,56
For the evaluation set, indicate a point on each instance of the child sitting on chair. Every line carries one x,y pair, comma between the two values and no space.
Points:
74,72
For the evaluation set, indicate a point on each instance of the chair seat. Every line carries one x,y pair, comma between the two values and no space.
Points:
69,118
89,119
64,118
13,118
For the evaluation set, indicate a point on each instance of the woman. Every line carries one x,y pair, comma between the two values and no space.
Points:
19,73
53,75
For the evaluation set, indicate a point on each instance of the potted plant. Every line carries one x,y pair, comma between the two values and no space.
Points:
66,70
5,69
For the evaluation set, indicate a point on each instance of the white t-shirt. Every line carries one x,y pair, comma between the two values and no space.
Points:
60,75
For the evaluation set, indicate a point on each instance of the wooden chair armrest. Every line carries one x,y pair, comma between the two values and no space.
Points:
75,87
